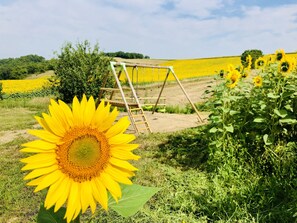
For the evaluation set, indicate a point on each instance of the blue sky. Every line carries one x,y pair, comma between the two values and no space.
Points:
168,29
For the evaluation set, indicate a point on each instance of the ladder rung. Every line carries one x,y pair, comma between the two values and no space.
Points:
141,122
136,109
113,89
120,103
148,129
138,115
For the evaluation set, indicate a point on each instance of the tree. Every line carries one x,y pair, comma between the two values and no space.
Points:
255,54
80,70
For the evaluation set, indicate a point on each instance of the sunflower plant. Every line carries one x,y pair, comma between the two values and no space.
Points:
256,110
82,158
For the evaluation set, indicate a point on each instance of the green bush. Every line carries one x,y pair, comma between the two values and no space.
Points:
80,70
1,93
255,54
261,115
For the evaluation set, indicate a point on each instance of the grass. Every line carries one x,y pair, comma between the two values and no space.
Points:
192,190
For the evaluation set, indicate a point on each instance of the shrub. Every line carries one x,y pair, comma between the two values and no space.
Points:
80,70
259,115
1,93
255,54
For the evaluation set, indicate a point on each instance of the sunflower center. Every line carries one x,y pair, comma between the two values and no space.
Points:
279,56
83,154
234,78
285,66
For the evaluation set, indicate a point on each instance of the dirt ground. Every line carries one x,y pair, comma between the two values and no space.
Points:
159,122
164,122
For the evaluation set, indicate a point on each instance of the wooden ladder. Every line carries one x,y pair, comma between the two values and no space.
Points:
134,109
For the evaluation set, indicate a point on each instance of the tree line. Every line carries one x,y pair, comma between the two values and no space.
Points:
18,68
126,55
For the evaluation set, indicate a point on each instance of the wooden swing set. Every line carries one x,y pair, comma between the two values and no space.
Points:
132,103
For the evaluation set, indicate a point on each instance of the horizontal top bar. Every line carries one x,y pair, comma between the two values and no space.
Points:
140,65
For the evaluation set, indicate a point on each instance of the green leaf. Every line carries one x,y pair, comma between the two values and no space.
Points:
49,216
232,112
259,120
289,121
281,113
289,108
262,107
229,128
133,198
213,130
266,140
271,95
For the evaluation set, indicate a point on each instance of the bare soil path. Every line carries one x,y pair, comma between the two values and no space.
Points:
159,122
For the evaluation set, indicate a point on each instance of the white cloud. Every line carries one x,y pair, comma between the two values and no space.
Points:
188,29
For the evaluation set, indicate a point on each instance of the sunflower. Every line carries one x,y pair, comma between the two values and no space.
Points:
258,81
79,156
260,63
249,61
245,73
279,55
286,65
233,78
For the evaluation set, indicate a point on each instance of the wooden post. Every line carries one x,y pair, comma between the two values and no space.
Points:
193,106
161,91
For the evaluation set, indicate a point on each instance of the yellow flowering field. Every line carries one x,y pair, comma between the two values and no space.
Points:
186,68
27,85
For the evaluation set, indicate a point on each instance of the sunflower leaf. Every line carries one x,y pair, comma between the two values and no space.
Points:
133,198
49,216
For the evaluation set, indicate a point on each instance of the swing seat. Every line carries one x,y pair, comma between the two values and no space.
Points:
120,103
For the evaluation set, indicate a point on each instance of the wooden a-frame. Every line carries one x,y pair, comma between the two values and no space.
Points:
136,106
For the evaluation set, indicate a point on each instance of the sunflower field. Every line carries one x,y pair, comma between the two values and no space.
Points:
253,140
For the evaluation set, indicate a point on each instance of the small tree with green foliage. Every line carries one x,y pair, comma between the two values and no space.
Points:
1,93
255,54
80,70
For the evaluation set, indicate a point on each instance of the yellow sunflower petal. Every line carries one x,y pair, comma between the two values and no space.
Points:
49,180
63,192
127,147
78,204
36,181
111,185
31,166
100,193
45,135
123,154
122,164
52,194
34,150
77,115
67,112
118,128
40,144
43,123
121,139
109,120
119,176
42,157
55,126
89,111
100,115
57,112
87,197
41,171
73,201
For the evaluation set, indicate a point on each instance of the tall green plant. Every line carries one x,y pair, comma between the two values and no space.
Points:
1,93
255,54
257,114
80,70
